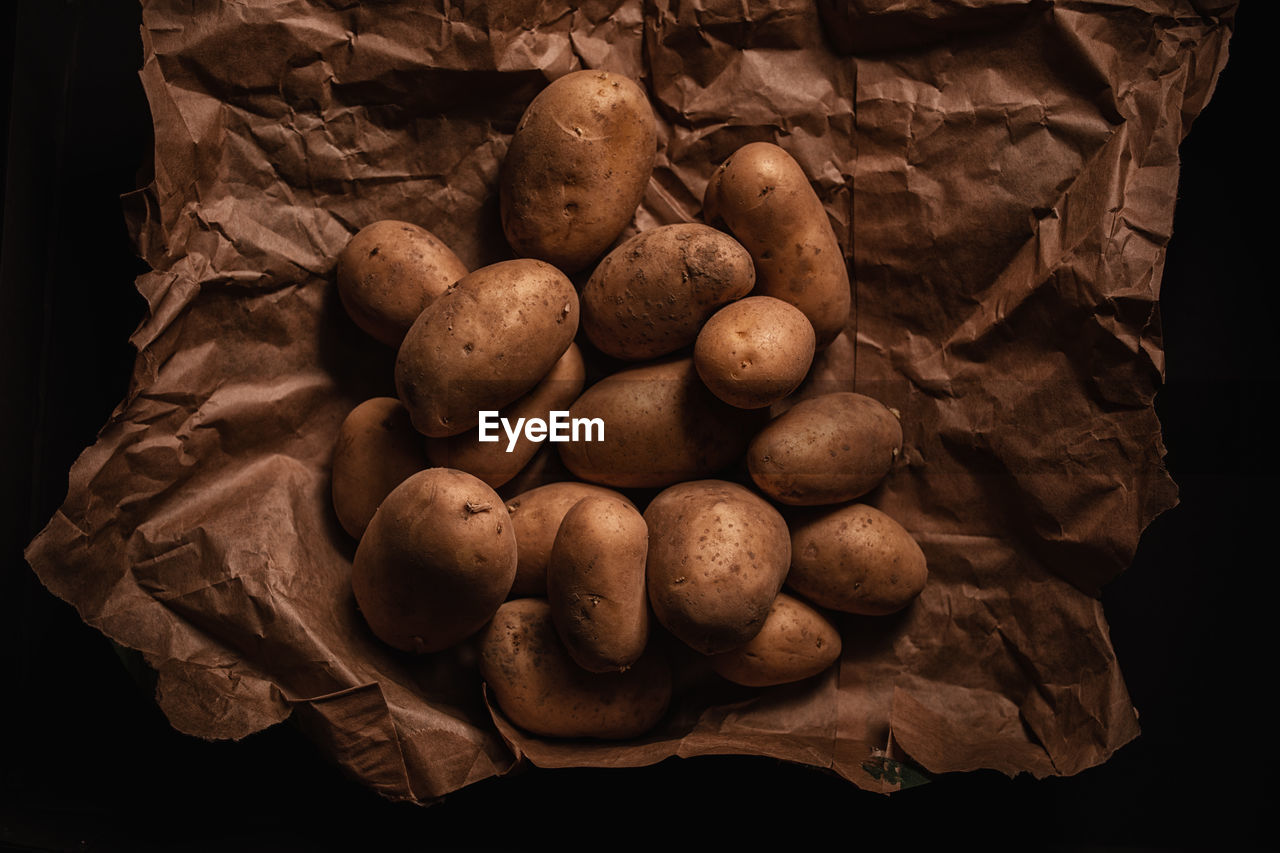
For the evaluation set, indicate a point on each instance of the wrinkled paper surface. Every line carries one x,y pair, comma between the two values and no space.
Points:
1002,176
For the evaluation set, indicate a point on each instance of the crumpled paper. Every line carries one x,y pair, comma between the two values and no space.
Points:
1002,176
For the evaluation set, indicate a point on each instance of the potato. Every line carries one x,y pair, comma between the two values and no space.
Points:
377,450
855,559
540,689
577,168
661,426
490,339
718,555
795,643
764,198
536,515
754,352
595,584
438,558
389,272
825,450
649,296
491,461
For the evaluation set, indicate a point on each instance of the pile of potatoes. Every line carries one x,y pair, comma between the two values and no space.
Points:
695,332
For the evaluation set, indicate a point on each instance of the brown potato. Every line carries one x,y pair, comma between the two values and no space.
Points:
377,450
492,461
661,426
389,272
649,296
438,558
577,168
537,515
754,352
765,200
540,689
796,642
825,450
483,344
718,555
855,559
595,584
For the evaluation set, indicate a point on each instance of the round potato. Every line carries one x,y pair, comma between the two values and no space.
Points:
595,584
754,352
825,450
540,689
577,168
377,450
718,555
765,200
796,642
496,462
436,561
389,272
490,339
537,515
649,296
855,559
661,426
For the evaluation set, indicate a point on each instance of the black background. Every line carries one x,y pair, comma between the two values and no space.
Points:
89,762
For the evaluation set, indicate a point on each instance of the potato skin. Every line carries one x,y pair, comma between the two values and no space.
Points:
540,689
595,584
661,426
389,272
377,449
718,555
438,558
796,642
536,516
765,200
489,460
649,296
754,352
577,168
855,559
825,450
544,468
484,343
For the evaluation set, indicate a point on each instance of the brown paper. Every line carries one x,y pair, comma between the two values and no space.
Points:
1002,176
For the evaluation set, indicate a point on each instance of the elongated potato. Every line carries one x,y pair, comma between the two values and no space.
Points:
377,450
796,642
577,168
537,515
754,352
765,200
436,561
389,272
539,687
496,462
825,450
595,584
649,296
855,559
718,555
484,343
661,426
